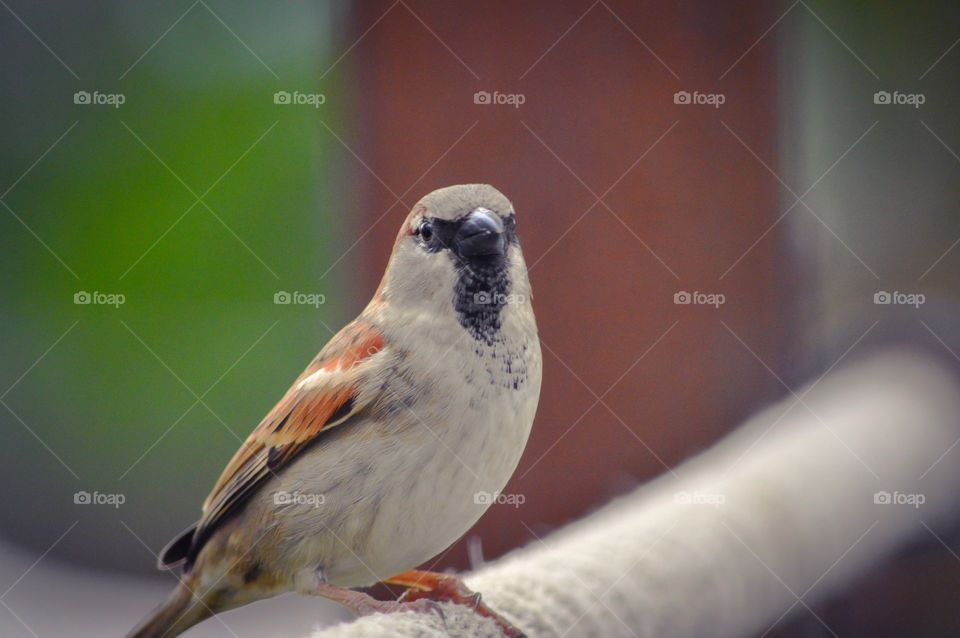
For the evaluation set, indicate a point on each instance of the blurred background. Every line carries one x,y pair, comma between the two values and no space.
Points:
174,173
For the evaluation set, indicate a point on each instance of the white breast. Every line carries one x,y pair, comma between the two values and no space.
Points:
447,432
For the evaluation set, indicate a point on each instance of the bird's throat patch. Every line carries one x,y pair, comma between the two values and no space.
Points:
481,292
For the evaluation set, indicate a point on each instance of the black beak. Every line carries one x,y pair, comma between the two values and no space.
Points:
481,235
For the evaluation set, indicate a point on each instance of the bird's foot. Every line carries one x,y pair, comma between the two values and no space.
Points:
433,587
363,604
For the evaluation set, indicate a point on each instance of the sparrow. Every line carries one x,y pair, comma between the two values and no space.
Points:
393,441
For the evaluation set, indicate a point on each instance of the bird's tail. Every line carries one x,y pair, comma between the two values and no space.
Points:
181,611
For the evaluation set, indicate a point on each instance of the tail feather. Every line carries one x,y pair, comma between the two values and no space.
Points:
181,611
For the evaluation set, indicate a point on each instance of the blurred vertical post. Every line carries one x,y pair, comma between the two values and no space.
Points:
627,198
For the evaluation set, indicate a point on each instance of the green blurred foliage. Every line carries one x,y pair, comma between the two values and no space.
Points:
113,398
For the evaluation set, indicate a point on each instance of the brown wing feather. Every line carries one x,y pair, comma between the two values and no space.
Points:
300,416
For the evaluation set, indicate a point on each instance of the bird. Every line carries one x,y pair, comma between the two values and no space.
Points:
392,442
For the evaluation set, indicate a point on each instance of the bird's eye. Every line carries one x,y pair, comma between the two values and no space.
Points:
425,231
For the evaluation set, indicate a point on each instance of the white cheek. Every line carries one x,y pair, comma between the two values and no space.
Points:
416,277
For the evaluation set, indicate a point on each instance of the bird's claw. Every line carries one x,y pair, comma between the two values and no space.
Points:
447,588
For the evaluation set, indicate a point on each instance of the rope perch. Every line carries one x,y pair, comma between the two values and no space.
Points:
790,508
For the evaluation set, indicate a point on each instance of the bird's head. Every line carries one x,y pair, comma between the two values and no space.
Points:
457,253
